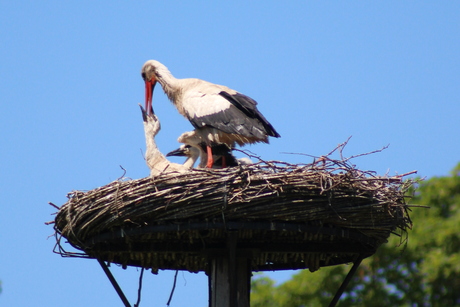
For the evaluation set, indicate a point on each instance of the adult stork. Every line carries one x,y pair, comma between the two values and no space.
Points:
218,113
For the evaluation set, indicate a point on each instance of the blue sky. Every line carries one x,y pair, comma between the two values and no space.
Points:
385,72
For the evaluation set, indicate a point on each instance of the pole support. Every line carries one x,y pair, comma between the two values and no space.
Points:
114,283
346,281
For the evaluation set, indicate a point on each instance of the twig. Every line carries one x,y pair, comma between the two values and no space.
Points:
300,154
124,173
249,154
406,174
324,157
56,207
142,153
139,290
418,206
341,146
173,288
367,153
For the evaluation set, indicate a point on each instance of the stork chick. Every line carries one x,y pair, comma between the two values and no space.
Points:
192,153
193,147
193,139
188,151
155,160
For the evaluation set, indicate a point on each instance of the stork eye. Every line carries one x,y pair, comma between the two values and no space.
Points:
143,75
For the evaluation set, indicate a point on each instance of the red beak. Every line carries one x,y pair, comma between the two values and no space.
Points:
149,86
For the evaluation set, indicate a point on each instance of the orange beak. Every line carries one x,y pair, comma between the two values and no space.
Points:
149,86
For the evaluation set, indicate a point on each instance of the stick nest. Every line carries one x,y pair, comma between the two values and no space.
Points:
283,216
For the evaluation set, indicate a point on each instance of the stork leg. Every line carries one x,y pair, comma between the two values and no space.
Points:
224,162
210,159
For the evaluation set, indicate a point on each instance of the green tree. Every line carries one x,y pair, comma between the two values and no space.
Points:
423,272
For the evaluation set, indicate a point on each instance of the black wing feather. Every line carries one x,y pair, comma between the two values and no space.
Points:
253,124
231,121
247,105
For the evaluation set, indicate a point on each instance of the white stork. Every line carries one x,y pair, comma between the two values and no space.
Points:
218,113
192,153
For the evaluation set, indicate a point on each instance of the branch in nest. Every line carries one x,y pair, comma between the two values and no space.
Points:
367,153
51,204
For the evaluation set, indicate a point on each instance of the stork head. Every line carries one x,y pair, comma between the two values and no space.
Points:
151,123
148,73
145,114
184,150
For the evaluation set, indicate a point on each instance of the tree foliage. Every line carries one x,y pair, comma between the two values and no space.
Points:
422,271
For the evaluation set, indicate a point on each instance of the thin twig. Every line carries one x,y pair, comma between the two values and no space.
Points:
139,290
341,147
299,154
124,173
367,153
56,207
173,288
406,174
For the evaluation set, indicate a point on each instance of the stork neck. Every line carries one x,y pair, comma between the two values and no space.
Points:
152,153
190,162
167,81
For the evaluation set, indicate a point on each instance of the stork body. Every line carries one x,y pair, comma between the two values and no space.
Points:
218,113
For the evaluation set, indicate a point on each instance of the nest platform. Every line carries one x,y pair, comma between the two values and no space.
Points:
280,216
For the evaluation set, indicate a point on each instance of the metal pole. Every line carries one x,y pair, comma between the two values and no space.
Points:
114,283
346,281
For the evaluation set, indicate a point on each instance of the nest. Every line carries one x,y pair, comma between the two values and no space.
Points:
281,216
